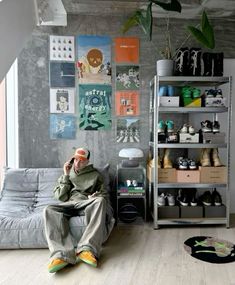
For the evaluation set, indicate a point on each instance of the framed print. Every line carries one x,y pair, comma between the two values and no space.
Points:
128,130
62,48
127,77
62,74
127,103
62,126
62,100
127,50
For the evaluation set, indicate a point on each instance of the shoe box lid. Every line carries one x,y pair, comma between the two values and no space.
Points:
213,174
190,102
189,138
215,102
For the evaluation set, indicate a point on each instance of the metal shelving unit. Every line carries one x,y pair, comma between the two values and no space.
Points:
155,112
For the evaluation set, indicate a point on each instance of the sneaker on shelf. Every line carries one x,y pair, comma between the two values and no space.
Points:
183,163
191,130
216,127
206,198
219,93
162,91
206,126
186,92
161,127
170,199
210,93
161,200
196,93
192,164
183,198
170,126
184,129
193,200
216,198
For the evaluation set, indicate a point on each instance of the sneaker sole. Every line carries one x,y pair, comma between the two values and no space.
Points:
87,262
57,267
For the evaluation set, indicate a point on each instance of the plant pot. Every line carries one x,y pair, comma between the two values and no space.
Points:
165,67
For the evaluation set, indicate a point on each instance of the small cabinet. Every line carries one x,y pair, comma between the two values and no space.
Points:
131,193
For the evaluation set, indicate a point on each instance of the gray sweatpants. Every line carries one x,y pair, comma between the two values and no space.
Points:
60,241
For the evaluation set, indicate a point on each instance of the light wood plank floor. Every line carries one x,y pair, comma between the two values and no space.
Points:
133,255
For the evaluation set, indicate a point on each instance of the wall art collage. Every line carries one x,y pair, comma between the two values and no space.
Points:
81,87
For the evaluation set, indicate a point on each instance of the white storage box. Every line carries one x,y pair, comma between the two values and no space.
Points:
189,138
169,101
215,102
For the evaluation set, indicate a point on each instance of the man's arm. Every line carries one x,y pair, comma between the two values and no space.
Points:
62,190
100,189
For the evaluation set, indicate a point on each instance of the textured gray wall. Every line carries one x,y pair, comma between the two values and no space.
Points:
35,147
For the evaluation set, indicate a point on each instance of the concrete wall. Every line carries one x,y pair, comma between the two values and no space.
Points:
35,147
17,21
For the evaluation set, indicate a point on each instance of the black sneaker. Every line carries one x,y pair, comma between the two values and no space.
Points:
183,197
193,199
216,198
216,127
182,163
192,164
206,126
206,198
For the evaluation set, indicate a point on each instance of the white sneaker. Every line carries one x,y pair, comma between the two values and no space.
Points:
184,129
161,200
191,130
170,200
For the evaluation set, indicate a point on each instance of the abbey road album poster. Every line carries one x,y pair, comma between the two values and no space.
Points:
62,100
127,77
93,59
128,130
62,126
95,107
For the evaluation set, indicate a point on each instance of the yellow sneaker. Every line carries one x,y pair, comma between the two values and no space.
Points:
56,265
87,257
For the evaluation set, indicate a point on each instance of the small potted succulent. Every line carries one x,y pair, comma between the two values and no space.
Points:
144,19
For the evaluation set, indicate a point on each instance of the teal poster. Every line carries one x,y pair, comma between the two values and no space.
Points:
95,107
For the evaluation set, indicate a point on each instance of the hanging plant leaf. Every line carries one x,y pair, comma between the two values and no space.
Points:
207,30
174,5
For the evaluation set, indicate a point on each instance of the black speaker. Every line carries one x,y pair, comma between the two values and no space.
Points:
128,213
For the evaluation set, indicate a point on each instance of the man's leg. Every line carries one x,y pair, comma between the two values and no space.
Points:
93,236
56,219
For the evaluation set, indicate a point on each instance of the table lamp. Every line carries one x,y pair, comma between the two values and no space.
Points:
131,155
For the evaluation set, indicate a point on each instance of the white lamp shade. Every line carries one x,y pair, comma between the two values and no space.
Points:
131,153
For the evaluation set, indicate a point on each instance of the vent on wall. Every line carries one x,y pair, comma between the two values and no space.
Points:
50,13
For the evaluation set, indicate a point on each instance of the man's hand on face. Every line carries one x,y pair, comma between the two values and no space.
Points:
67,167
92,195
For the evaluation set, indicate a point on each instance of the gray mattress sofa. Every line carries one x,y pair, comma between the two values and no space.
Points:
25,193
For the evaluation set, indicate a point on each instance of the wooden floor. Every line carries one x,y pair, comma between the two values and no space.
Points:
133,255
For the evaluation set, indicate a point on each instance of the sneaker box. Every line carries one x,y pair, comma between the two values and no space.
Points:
188,176
165,175
169,101
215,102
216,138
213,174
189,138
215,211
190,102
168,212
191,211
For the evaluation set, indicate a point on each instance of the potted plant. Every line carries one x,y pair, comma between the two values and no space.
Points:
144,19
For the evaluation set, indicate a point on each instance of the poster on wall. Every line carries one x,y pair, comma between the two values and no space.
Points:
62,126
62,100
62,48
95,107
93,59
127,50
127,77
127,103
128,130
62,74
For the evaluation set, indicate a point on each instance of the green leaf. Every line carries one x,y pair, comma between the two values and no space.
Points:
174,5
130,22
208,31
199,36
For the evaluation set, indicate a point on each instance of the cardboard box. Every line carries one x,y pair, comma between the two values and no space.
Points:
189,102
168,212
191,212
169,101
215,211
189,138
164,175
215,102
213,174
188,176
216,138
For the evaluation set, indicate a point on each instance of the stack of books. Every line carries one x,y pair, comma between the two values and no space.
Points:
131,191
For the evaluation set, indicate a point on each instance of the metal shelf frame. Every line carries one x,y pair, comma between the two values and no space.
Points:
155,110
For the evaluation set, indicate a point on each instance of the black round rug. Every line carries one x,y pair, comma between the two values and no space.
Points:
210,249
